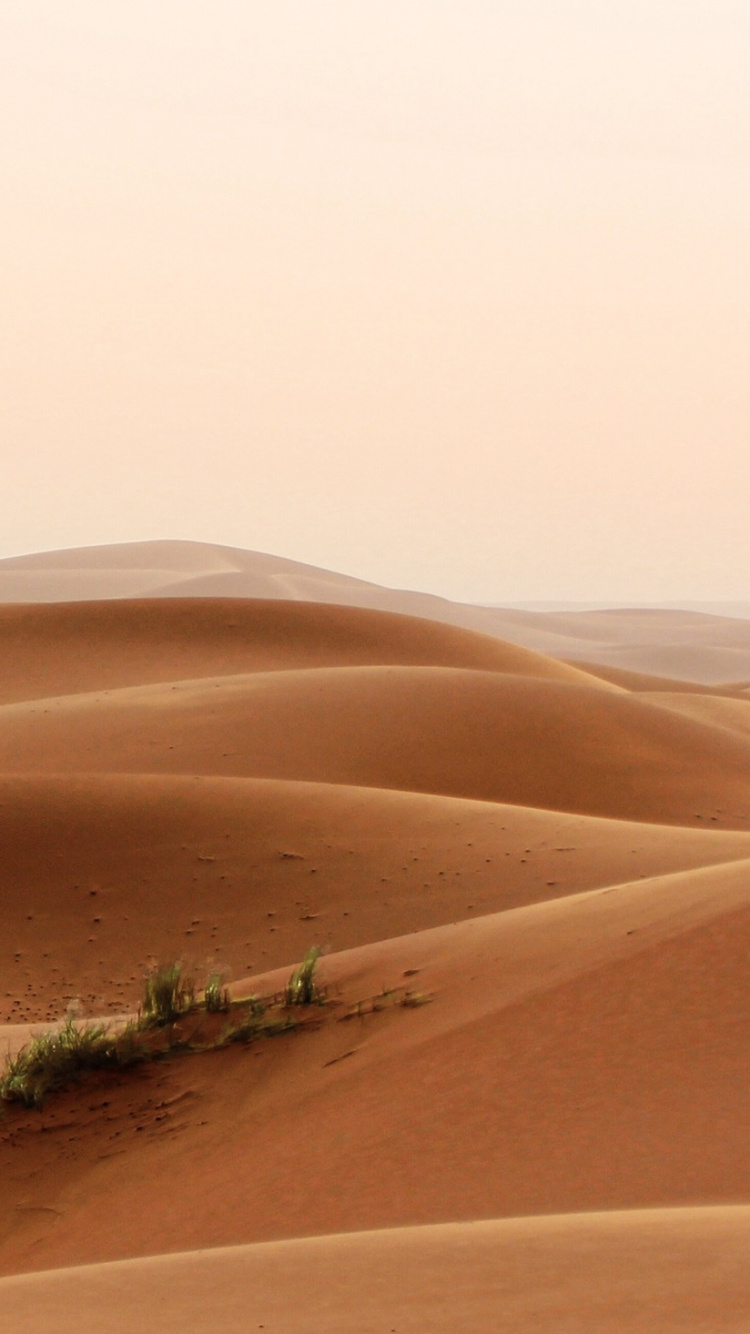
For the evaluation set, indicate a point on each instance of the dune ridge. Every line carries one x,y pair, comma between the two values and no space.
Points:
101,872
574,1054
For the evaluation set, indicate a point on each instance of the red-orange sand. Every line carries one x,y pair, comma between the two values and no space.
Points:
557,1140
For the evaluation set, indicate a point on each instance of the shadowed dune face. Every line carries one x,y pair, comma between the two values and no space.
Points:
559,864
69,649
454,732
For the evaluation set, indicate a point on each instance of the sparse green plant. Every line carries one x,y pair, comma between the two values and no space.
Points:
55,1059
258,1019
166,996
64,1054
302,989
215,995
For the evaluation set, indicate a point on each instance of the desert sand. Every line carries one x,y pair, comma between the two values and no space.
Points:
556,860
705,649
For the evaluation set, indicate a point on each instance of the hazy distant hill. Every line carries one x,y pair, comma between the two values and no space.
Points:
679,644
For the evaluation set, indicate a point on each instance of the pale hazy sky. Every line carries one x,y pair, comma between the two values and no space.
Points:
448,294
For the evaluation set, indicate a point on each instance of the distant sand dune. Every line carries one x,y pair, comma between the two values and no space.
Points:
712,709
687,645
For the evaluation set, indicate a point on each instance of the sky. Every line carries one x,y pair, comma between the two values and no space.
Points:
446,294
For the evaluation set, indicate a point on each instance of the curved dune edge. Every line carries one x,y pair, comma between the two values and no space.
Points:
716,710
647,683
113,645
482,735
587,1053
623,1272
102,872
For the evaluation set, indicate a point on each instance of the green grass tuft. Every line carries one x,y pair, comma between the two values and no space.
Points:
55,1059
302,989
215,995
166,996
64,1054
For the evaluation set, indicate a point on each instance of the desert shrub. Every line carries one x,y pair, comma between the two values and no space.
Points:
166,995
302,989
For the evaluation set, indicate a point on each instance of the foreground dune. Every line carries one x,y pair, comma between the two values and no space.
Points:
73,648
587,1053
455,732
665,1269
103,872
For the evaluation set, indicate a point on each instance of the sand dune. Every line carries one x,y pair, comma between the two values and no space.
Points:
576,1055
100,873
643,683
226,757
686,1267
165,569
686,645
733,714
454,732
105,645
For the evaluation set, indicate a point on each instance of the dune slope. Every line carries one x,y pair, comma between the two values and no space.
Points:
61,649
587,1053
460,733
712,709
103,872
619,1272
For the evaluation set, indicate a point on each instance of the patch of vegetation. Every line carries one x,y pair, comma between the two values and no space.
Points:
170,1018
216,995
302,989
55,1059
166,996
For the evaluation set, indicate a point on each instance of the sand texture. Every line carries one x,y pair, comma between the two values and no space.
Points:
556,862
